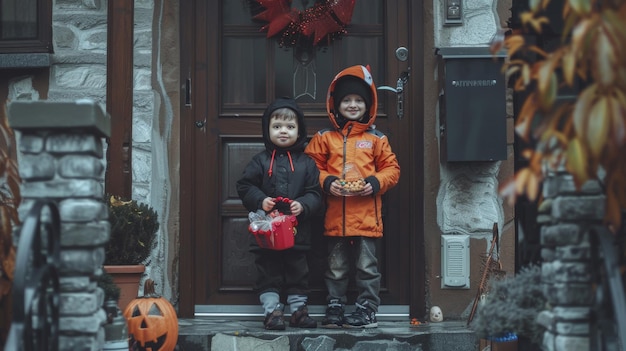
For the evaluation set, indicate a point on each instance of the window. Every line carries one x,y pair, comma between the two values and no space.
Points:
25,26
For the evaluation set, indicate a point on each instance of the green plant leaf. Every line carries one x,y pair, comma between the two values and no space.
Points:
598,127
577,162
582,108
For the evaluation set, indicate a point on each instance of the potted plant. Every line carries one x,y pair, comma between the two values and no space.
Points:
511,307
134,227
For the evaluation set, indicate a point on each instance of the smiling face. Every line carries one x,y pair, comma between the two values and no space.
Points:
283,128
352,107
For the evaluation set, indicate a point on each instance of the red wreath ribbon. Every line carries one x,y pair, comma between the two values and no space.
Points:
327,19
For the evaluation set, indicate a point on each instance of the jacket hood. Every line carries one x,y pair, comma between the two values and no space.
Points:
265,124
360,72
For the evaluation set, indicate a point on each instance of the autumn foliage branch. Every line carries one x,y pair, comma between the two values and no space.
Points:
575,108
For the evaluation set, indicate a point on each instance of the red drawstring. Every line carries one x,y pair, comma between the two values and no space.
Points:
270,172
290,161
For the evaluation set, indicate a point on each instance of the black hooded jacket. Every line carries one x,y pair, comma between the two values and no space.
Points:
300,182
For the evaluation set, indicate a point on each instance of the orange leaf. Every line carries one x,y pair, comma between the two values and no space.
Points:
513,44
577,162
569,67
581,6
532,189
580,34
605,59
617,113
547,85
580,114
526,117
521,178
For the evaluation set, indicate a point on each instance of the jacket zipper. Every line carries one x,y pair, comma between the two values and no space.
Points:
343,175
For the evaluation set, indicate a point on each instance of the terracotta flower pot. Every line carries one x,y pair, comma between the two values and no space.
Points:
127,277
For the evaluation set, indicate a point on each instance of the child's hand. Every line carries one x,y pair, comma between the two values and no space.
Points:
268,204
336,188
366,191
295,207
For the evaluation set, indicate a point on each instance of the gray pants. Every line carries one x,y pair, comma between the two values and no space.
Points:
357,252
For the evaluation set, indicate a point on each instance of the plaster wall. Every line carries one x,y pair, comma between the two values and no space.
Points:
462,197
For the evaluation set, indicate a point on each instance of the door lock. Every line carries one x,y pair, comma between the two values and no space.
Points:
399,90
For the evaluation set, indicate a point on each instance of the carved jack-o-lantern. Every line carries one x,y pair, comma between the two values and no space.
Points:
152,321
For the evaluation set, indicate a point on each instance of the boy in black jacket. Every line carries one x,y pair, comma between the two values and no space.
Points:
283,170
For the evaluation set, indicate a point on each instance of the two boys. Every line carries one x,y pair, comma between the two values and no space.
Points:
353,221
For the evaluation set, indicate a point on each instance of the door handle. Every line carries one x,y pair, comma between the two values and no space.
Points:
399,90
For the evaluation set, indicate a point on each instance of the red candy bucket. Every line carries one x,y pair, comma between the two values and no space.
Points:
273,231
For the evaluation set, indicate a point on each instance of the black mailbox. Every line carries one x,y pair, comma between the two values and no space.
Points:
472,105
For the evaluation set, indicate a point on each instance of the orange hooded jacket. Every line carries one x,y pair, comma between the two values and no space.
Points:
358,145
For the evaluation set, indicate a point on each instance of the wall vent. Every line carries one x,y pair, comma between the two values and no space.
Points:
455,261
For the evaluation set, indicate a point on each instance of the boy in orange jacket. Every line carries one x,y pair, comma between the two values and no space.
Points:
357,166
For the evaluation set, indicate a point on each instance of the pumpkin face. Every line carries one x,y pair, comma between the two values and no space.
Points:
152,322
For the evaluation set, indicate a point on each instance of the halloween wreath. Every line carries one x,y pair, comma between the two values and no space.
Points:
317,25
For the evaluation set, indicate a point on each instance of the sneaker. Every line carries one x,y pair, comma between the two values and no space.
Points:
301,319
362,317
334,315
274,320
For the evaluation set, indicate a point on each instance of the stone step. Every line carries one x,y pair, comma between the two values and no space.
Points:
200,334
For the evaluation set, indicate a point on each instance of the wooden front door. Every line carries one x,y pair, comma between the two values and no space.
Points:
230,72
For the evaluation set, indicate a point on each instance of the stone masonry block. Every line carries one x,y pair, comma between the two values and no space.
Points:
561,234
37,167
81,115
571,328
574,253
75,143
571,343
79,343
579,208
322,342
563,184
81,261
77,283
88,188
548,342
569,294
81,303
222,342
85,234
81,210
31,143
82,325
81,166
571,272
566,313
376,345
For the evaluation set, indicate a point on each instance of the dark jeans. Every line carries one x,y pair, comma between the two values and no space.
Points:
285,271
357,252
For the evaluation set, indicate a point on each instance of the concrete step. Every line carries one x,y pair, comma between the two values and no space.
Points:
200,334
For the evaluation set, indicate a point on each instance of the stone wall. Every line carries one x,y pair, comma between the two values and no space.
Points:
567,219
61,159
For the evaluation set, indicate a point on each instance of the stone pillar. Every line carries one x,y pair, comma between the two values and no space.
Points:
567,218
61,158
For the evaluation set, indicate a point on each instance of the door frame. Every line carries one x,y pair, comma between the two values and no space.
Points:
193,70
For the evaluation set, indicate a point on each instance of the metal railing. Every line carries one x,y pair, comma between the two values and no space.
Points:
608,312
36,293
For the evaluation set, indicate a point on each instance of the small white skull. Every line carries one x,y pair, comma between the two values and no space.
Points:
435,314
